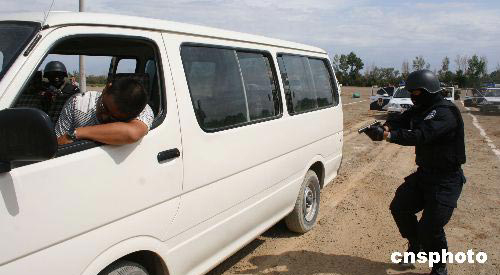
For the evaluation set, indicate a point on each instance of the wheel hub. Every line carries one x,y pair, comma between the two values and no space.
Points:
310,204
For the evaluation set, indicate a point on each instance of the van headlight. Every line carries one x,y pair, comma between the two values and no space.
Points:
485,102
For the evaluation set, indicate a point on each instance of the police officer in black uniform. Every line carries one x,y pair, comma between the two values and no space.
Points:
435,127
50,96
57,90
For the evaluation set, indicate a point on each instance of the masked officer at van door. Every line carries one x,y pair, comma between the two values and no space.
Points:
50,96
435,127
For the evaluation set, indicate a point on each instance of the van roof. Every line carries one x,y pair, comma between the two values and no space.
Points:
64,18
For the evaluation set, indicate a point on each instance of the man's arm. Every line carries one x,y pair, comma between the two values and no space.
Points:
433,127
116,133
65,122
119,133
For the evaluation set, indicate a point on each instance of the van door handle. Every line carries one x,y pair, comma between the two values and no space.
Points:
168,155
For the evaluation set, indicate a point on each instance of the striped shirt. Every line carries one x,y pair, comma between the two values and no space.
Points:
81,110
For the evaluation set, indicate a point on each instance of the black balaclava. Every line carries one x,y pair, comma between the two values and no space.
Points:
56,80
425,99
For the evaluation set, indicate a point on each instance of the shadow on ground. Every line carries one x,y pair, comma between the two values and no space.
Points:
279,230
235,258
309,263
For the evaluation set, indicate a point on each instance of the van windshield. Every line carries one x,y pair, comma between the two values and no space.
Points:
14,36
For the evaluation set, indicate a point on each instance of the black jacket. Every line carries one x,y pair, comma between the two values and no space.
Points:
436,131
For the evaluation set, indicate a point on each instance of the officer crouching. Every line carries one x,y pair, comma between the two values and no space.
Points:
435,127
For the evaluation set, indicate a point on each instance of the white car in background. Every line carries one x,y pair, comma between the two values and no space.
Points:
379,99
399,102
491,101
448,93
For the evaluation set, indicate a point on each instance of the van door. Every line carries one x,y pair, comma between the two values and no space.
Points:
51,202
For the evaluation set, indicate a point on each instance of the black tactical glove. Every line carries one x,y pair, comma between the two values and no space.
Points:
376,133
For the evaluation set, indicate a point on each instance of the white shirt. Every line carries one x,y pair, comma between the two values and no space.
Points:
80,111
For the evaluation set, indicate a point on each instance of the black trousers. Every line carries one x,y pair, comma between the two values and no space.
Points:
434,193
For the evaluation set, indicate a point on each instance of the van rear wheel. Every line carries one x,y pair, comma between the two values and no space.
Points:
304,215
124,268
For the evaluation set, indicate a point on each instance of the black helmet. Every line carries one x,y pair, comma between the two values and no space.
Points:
55,66
423,79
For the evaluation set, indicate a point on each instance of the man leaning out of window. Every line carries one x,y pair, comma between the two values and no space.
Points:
119,115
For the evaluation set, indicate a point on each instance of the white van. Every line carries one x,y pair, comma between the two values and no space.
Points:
247,130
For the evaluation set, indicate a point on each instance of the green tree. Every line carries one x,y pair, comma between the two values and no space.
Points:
476,70
495,75
381,76
444,74
372,76
420,64
390,76
460,79
350,65
336,67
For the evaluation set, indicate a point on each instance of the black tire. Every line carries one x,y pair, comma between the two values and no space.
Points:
124,268
304,214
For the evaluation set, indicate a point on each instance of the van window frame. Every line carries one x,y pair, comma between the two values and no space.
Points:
272,64
333,81
82,145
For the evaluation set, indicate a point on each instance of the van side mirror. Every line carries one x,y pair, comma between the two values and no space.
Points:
26,134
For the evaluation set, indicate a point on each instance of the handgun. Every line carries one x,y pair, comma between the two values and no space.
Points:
365,128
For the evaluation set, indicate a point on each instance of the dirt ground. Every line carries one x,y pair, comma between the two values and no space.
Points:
355,233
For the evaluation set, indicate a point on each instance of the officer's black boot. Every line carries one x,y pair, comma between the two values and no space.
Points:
439,269
413,247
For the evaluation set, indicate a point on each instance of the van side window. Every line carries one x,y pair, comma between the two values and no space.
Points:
126,66
308,83
260,87
322,82
230,87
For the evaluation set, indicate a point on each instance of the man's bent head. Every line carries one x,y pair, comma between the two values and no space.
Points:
122,101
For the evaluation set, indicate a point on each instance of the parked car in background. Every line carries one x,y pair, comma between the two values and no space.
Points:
381,97
448,93
491,101
400,102
473,97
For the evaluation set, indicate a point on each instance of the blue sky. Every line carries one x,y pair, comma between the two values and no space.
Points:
382,33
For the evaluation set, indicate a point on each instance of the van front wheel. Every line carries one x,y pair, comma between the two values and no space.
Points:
124,268
304,215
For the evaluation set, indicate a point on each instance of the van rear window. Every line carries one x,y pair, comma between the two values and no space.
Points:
308,83
230,87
